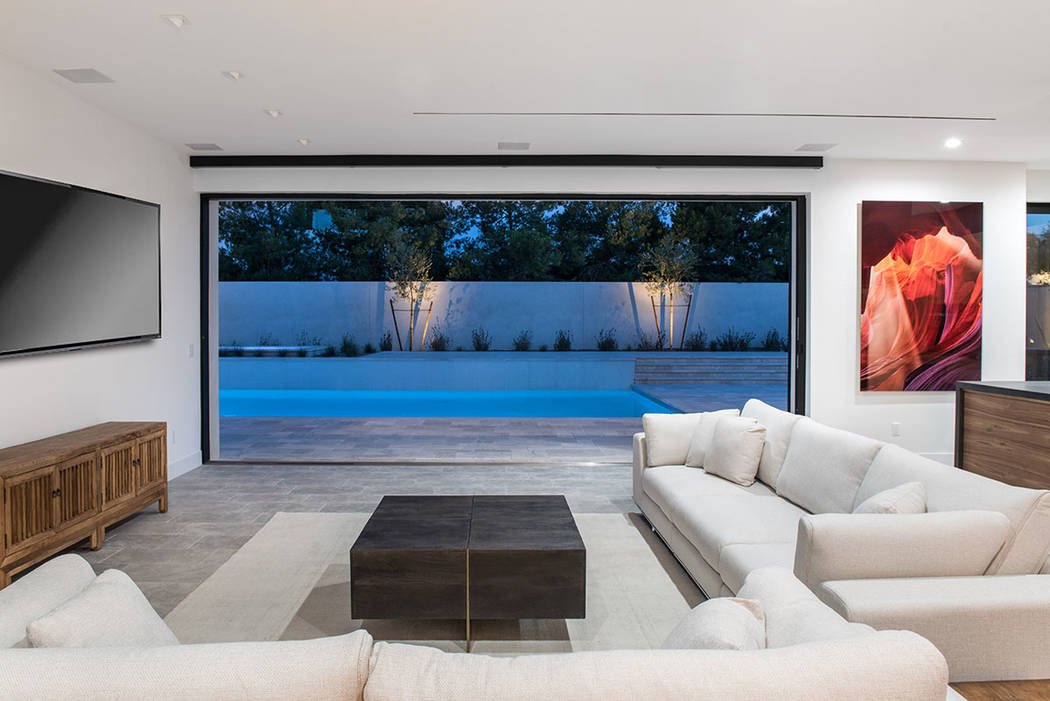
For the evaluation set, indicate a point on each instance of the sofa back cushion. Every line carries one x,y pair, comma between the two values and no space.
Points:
322,669
951,489
824,466
109,612
883,666
779,425
38,592
723,623
667,437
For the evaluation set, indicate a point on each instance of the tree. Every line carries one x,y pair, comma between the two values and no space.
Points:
409,274
737,241
665,268
506,240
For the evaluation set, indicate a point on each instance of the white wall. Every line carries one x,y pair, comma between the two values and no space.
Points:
1039,185
45,131
927,419
327,310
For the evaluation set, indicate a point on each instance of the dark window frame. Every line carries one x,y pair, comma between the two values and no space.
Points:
797,279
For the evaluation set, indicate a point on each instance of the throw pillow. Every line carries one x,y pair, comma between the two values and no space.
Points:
720,624
705,431
736,449
109,612
667,437
908,498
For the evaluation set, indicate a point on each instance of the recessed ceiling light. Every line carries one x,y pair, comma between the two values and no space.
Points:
513,145
177,21
83,75
203,147
274,114
816,148
303,141
952,142
233,75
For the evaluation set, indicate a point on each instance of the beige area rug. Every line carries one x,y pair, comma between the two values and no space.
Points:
291,581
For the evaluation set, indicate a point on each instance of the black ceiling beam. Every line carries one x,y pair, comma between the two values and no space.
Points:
502,161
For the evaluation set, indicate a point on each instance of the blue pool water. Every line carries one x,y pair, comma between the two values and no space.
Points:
524,403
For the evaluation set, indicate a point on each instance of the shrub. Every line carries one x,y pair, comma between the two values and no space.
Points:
268,340
562,340
650,343
348,348
369,349
607,340
696,341
481,339
731,340
459,349
523,341
387,343
543,348
328,352
774,341
439,341
235,350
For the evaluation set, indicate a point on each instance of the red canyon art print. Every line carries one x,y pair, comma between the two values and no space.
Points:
921,279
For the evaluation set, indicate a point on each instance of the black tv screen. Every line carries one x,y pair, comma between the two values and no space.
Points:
78,267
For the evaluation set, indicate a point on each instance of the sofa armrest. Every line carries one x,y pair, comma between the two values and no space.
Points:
867,546
988,628
640,459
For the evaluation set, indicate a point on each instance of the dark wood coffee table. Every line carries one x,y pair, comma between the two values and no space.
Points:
464,557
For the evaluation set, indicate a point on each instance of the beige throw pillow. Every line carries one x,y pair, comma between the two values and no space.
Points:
705,431
908,498
720,624
736,449
109,612
667,437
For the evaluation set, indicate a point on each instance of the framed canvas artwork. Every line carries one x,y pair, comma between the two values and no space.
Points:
920,296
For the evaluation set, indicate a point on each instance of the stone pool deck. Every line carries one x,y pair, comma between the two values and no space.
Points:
468,440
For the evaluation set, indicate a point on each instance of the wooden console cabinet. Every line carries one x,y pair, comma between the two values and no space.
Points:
1002,431
60,490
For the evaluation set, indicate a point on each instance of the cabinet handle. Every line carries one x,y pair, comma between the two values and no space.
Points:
56,492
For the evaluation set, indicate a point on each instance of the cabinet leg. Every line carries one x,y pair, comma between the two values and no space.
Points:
162,503
5,578
98,537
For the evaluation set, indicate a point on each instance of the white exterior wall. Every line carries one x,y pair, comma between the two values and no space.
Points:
327,310
46,132
927,419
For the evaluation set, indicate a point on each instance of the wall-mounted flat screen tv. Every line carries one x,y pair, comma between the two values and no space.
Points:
78,267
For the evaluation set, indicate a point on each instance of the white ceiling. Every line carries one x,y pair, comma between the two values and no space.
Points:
352,76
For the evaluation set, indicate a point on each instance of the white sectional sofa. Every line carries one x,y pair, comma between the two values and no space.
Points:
929,572
809,654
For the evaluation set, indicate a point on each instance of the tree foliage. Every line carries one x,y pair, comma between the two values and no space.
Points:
587,240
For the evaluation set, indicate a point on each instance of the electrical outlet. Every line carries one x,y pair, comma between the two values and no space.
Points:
895,428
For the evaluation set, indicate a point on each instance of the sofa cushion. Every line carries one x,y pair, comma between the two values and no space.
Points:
779,425
908,498
951,489
809,622
667,437
323,669
740,560
824,467
702,436
720,624
712,523
110,612
675,487
774,587
38,592
736,449
885,666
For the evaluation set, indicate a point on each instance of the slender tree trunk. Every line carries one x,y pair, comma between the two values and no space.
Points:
670,333
411,320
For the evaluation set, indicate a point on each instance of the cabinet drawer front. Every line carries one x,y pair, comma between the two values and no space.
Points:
118,473
78,489
153,461
30,508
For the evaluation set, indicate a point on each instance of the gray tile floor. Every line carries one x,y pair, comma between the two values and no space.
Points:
217,508
468,440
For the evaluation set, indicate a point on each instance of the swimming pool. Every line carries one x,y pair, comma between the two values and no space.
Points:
480,403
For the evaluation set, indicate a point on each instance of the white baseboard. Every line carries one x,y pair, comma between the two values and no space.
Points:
180,467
